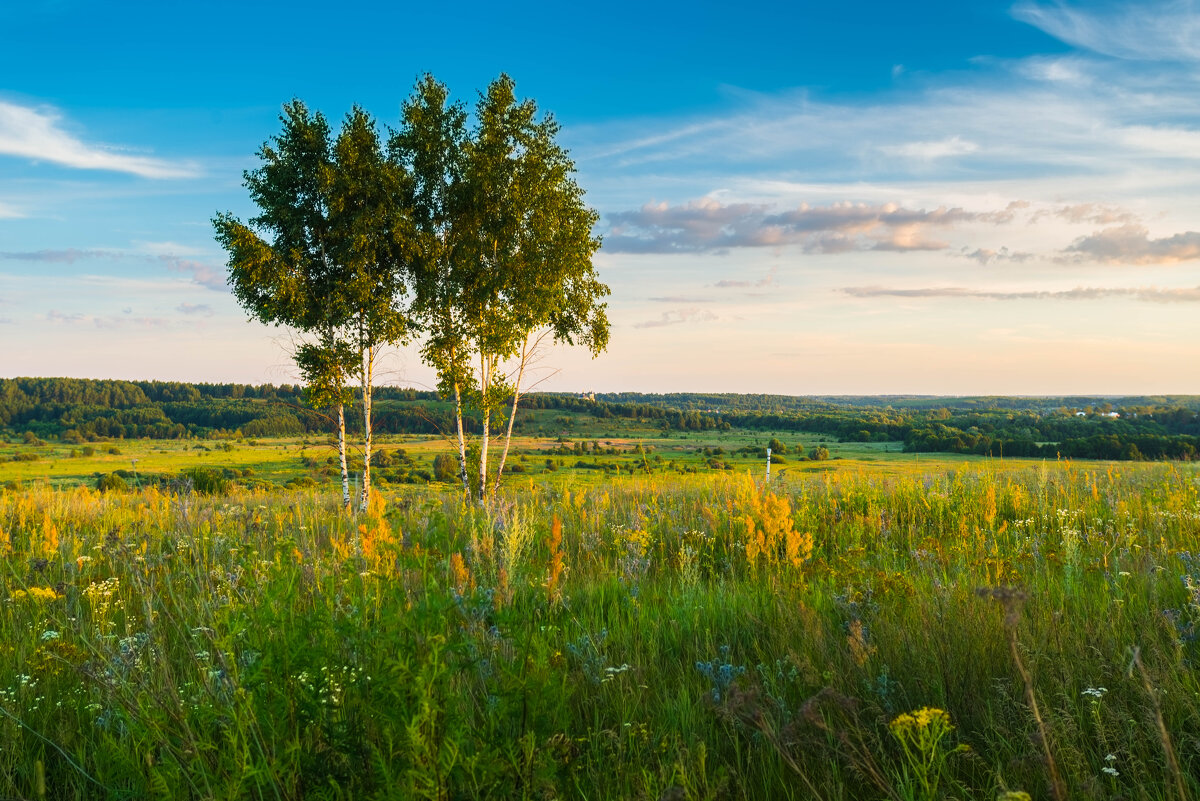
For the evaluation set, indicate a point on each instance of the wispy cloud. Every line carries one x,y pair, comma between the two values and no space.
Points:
1097,213
707,225
761,283
202,273
1144,31
1150,294
68,256
931,151
202,309
56,317
1080,114
987,256
678,317
37,134
1131,244
678,299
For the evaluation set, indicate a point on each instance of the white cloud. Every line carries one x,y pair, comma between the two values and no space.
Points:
38,134
1145,31
203,274
1148,294
707,225
679,317
1131,244
171,249
931,151
200,272
202,309
56,317
987,256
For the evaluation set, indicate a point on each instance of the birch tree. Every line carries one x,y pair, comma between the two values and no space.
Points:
336,262
373,248
531,240
507,249
292,280
430,145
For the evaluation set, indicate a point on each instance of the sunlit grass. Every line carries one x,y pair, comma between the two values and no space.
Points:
661,636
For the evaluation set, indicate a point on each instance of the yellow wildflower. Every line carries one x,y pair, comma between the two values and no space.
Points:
36,594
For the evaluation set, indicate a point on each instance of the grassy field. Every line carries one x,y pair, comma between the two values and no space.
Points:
274,462
871,627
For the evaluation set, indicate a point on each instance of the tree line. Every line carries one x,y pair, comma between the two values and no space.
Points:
471,235
85,409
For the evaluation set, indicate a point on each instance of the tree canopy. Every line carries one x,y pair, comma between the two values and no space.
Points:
476,235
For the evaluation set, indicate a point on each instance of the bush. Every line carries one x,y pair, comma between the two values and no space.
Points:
112,481
300,482
445,467
819,453
206,480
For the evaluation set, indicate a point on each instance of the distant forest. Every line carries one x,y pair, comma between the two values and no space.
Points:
1149,427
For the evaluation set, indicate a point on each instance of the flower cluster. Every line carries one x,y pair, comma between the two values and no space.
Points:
35,594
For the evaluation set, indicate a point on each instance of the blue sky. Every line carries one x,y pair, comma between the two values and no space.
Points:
941,197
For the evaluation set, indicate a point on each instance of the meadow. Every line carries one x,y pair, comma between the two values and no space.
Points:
875,626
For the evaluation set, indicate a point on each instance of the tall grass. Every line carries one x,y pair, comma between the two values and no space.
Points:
847,636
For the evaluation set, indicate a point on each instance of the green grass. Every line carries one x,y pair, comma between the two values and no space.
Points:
267,462
661,636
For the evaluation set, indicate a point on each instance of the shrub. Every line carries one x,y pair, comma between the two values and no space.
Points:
206,480
445,467
111,481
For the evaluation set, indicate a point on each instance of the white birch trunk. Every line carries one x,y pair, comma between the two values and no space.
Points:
341,446
512,414
368,364
485,387
462,441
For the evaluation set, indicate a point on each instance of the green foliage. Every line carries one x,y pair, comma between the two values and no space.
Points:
111,481
504,243
1149,429
445,467
206,480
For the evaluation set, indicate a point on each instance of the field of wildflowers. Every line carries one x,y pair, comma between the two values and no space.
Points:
960,632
